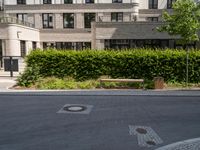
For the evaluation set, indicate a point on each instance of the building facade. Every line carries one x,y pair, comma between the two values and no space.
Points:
81,24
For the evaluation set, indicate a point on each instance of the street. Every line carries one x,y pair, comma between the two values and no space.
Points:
105,122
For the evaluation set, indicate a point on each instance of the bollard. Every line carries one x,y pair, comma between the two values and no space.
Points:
158,83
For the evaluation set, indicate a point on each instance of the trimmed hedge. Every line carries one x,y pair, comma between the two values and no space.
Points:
138,63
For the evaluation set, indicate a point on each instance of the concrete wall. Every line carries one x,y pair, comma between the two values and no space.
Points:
12,34
65,36
144,4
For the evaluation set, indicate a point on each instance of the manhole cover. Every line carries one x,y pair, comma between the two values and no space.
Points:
151,143
141,131
75,108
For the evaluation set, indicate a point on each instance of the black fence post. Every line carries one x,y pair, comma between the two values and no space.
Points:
11,66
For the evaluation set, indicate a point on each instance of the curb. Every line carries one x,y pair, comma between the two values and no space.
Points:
102,92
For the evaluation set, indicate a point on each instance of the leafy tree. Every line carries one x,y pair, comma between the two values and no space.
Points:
184,21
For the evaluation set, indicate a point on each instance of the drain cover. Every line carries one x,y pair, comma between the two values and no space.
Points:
141,131
76,109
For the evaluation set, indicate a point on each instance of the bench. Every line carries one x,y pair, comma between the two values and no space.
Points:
123,80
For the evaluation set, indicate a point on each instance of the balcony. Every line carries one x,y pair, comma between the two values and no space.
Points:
11,20
70,7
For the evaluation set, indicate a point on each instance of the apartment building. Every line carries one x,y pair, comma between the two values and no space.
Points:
81,24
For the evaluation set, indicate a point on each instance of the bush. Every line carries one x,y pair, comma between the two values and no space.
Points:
139,63
29,76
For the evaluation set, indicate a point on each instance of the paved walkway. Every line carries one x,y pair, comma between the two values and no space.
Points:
6,82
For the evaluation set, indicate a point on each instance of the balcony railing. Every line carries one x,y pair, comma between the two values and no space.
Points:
15,21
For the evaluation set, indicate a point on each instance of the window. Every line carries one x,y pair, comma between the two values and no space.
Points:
47,45
65,45
116,1
46,1
47,20
119,44
34,45
21,1
153,4
68,20
22,17
152,19
23,48
88,18
68,1
89,1
117,17
170,3
1,53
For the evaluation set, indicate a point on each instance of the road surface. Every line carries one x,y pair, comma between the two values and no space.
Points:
105,122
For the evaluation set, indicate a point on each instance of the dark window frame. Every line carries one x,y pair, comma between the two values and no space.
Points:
152,19
170,4
115,17
23,48
21,2
48,21
68,1
34,45
88,18
154,4
47,1
117,1
89,1
23,17
67,16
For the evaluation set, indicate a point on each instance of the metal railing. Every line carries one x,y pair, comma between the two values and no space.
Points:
15,21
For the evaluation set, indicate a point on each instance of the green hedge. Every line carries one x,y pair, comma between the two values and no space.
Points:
138,63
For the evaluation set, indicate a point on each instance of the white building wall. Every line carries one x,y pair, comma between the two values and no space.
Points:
144,4
30,2
162,4
12,34
10,2
28,47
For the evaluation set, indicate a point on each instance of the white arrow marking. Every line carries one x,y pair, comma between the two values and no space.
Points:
146,136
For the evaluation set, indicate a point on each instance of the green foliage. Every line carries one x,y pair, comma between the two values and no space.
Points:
29,77
139,63
184,21
69,83
55,83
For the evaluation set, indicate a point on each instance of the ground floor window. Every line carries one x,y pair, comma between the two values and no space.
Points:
1,48
1,54
178,45
146,43
34,45
23,48
132,43
67,45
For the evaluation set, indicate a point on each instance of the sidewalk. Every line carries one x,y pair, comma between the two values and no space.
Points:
6,82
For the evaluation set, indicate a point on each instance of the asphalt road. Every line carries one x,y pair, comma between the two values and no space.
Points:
34,122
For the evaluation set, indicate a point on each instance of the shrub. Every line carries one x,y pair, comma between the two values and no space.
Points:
138,63
29,76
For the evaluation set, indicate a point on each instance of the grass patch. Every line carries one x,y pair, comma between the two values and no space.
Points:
182,85
70,83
